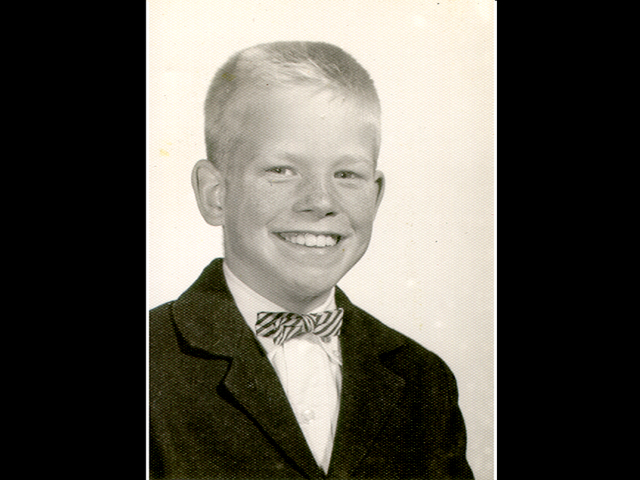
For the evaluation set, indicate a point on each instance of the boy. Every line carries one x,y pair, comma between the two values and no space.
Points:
263,368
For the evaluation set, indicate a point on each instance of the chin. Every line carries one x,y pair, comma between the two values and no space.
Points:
312,285
305,288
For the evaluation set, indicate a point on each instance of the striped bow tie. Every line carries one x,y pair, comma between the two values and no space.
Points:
282,325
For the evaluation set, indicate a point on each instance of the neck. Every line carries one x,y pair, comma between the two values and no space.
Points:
288,301
303,305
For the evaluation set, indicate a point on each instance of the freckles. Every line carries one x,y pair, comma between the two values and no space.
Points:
362,204
264,197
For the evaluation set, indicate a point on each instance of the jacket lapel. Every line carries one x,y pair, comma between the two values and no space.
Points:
254,384
369,389
209,320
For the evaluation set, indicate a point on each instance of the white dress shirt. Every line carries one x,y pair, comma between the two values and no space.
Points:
308,368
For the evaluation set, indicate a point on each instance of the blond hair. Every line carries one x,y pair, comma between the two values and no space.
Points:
257,69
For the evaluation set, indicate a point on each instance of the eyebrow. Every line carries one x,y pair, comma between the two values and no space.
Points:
355,158
346,158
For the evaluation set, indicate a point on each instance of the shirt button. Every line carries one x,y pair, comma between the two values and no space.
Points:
307,416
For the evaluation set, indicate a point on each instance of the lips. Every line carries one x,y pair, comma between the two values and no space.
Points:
309,239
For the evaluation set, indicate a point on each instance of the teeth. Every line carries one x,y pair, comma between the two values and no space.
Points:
311,240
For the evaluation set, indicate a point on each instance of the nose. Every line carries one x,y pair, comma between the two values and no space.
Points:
316,197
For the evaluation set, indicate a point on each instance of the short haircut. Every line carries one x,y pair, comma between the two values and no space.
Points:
259,68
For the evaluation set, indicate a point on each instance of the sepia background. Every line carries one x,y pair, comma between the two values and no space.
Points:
429,271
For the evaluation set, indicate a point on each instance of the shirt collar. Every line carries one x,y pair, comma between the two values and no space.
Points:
250,303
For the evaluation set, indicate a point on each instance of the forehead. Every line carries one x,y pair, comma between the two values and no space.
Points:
307,118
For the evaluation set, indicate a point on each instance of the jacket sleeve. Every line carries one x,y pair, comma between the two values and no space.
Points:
156,462
449,461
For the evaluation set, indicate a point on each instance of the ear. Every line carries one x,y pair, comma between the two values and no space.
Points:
380,184
208,185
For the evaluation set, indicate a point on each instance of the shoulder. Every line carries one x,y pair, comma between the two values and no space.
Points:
161,330
201,294
161,311
160,316
404,356
383,338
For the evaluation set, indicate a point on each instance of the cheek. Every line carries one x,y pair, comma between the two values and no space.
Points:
258,203
362,209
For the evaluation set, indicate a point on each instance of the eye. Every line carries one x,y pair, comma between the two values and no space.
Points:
281,171
346,175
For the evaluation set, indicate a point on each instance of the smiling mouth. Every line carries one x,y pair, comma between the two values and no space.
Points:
310,239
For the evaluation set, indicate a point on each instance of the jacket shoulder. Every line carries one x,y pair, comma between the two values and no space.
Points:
160,317
161,332
407,358
389,336
161,311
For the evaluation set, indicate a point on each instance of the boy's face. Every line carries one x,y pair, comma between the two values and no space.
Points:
300,195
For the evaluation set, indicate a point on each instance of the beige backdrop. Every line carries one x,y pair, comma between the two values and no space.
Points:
429,271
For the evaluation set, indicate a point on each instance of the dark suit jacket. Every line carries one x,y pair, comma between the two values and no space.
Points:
219,411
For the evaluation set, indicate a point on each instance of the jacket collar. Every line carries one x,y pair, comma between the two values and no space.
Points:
209,321
369,388
210,324
207,316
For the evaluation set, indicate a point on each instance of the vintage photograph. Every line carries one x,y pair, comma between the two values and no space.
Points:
321,239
